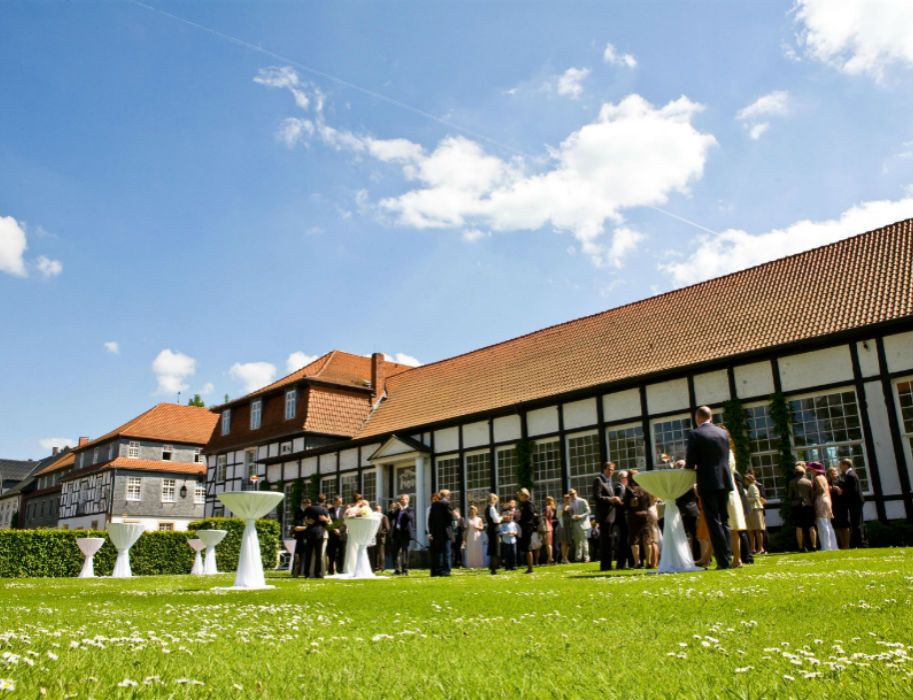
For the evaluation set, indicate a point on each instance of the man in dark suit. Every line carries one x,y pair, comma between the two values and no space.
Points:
402,523
607,497
316,518
440,532
852,493
708,454
298,532
336,544
624,558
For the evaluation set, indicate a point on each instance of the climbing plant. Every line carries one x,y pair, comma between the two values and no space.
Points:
736,419
525,464
781,419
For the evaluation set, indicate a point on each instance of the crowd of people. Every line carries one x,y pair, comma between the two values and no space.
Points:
723,516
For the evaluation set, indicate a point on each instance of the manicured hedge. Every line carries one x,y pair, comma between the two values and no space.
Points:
41,553
268,531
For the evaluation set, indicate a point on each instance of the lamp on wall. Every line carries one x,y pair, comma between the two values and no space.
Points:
184,491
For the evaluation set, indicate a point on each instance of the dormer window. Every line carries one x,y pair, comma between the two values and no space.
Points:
95,456
256,412
133,449
226,421
110,451
167,453
291,403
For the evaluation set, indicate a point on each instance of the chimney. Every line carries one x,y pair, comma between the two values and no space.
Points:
378,376
54,451
83,440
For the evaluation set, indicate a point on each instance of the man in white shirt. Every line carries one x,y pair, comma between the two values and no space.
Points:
580,515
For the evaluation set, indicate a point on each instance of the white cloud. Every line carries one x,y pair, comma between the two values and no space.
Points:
113,347
857,36
297,360
293,130
734,249
624,241
570,83
283,77
612,57
631,155
12,247
403,359
754,116
472,235
207,389
253,375
171,369
49,443
48,267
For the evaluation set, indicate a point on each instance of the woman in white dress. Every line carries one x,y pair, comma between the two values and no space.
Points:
824,513
475,548
737,521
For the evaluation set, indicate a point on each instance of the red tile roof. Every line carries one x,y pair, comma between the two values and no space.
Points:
147,465
860,281
167,422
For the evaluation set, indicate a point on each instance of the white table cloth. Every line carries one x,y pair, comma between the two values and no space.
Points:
197,545
250,505
89,546
360,534
669,484
211,539
123,536
290,544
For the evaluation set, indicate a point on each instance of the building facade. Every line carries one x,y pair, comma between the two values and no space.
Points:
829,331
150,471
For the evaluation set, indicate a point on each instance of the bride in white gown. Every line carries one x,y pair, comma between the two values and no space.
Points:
475,556
824,513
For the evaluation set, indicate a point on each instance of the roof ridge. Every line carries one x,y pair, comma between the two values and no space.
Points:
639,302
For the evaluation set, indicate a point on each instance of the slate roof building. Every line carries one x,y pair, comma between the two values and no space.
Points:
830,330
149,470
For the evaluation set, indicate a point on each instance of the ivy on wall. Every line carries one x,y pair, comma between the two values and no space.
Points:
313,487
525,464
781,418
736,419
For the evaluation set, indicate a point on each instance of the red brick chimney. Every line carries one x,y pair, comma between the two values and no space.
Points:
378,376
83,440
54,450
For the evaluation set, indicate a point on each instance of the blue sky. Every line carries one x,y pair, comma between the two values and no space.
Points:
180,210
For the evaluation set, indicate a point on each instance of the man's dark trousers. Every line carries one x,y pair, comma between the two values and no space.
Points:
716,510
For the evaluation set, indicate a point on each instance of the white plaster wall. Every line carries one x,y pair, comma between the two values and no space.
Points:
367,451
271,450
475,434
881,438
308,466
348,459
621,405
542,420
667,396
446,440
580,413
298,444
899,351
755,379
274,473
816,367
151,524
895,510
328,463
711,388
291,470
868,358
507,428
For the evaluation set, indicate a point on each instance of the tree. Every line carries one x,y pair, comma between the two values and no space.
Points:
197,400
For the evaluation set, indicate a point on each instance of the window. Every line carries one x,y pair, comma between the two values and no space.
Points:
291,403
826,428
167,452
250,462
168,490
256,412
905,399
546,464
81,456
328,487
671,437
199,493
221,467
369,485
448,477
478,478
764,458
110,451
134,488
226,421
626,447
166,527
133,449
507,473
197,456
95,455
349,483
583,462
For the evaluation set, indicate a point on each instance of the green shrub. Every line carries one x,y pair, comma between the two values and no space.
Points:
894,533
268,531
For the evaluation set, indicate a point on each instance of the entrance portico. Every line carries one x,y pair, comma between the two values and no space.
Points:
403,465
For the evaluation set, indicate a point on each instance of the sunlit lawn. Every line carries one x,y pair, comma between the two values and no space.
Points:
824,625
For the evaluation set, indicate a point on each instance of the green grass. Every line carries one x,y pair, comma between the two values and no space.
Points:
835,624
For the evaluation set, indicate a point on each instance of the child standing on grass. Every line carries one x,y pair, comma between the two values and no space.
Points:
509,532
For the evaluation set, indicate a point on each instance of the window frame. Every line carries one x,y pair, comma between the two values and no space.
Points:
137,483
291,399
133,448
169,450
256,413
226,421
199,494
221,467
169,488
